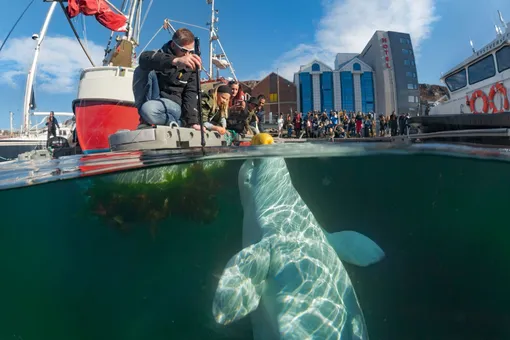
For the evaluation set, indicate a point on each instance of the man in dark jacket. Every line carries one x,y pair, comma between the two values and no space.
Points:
165,84
52,124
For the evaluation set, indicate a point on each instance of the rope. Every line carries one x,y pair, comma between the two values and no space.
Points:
15,24
76,33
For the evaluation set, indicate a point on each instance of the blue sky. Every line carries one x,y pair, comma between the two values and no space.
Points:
259,37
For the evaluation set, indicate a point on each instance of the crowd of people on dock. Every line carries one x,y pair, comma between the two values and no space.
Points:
166,89
341,124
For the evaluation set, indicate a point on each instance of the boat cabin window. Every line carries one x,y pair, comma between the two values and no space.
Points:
503,58
457,80
482,69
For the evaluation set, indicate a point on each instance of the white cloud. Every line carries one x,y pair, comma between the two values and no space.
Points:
60,61
348,25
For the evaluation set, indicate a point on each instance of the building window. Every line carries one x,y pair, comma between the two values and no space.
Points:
410,74
367,92
347,86
412,63
503,58
356,67
273,97
457,80
410,86
482,70
405,41
411,99
406,62
327,91
405,51
305,91
316,68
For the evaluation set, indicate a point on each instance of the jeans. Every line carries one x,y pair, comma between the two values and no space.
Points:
151,107
260,115
160,112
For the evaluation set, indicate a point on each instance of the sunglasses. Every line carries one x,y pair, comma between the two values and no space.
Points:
183,50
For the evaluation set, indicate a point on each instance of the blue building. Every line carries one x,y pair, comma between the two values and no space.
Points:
349,86
382,79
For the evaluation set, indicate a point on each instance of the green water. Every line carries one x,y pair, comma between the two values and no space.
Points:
69,272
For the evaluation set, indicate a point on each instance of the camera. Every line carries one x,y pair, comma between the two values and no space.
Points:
35,36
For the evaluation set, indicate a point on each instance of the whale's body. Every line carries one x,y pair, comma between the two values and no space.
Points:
290,265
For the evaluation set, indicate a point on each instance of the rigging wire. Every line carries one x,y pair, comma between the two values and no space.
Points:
84,29
154,36
15,24
188,24
146,13
76,33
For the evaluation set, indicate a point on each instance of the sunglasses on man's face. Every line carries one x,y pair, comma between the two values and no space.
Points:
182,49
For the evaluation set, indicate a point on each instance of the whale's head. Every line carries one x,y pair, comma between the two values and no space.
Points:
261,181
245,183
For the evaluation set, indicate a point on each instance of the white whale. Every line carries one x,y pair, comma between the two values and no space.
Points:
290,265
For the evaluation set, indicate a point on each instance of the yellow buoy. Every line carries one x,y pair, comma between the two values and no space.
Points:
262,138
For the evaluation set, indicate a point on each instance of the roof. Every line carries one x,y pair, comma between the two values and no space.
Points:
315,61
482,52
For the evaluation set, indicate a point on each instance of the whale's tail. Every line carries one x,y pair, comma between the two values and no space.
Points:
355,248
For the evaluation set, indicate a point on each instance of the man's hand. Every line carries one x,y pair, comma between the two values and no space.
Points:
191,61
197,127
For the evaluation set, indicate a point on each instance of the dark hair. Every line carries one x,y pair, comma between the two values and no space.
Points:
261,96
224,89
183,36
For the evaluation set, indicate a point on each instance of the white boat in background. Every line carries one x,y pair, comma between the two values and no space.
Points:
35,137
476,108
480,83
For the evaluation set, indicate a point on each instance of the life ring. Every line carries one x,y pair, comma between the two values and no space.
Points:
498,87
479,94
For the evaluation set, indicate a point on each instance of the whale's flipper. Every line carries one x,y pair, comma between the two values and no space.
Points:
241,283
355,248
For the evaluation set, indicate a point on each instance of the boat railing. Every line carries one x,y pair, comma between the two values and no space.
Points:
40,127
496,132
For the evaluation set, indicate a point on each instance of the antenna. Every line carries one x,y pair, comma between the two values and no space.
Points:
498,30
503,23
472,46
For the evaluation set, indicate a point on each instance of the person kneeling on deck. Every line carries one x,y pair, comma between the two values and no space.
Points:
165,84
215,109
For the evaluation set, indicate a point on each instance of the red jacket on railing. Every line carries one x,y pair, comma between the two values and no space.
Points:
100,9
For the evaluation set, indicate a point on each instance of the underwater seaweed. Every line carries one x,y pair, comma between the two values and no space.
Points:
188,191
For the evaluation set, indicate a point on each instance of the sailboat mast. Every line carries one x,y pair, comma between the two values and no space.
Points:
31,73
132,17
212,34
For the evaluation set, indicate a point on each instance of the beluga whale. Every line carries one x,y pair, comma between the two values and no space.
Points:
289,276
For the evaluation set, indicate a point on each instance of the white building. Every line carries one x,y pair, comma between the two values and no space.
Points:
350,86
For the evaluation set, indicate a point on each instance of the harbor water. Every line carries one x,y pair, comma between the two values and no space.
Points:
138,254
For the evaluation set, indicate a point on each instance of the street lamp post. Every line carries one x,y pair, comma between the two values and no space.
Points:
278,89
